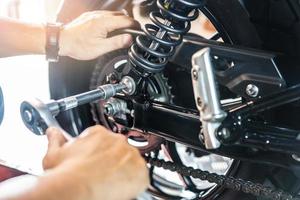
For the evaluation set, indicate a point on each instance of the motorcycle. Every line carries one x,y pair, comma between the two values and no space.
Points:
215,116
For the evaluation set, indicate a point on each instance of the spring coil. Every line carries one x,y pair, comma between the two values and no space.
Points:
150,53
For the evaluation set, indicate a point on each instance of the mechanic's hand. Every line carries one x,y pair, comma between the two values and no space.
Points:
99,160
85,38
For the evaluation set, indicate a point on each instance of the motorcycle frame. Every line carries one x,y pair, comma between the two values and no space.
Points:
253,142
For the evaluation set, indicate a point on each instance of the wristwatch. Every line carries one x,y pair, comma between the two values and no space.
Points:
52,41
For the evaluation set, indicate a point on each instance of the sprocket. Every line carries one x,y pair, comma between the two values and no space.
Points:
110,66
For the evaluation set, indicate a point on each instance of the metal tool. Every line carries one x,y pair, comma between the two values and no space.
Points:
38,116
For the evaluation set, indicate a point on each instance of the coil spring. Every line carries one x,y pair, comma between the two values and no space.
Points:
150,53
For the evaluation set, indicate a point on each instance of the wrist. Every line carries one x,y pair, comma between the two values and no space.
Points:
67,183
58,184
63,42
40,31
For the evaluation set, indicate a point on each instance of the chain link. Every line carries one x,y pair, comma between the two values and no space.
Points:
229,182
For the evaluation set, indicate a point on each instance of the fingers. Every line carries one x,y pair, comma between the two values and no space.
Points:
106,12
118,22
55,139
121,12
114,43
93,130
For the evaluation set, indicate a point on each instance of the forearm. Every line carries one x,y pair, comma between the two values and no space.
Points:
56,185
17,38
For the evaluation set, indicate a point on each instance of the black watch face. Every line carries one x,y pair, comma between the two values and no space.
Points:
1,106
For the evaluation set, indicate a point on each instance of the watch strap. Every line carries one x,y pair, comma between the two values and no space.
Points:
52,41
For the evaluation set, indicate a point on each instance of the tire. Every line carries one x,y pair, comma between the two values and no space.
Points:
69,77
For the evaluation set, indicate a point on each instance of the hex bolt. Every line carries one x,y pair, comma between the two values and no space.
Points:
201,137
112,78
195,74
252,90
108,109
224,133
199,102
130,85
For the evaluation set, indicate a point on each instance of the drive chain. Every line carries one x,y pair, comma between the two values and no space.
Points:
228,182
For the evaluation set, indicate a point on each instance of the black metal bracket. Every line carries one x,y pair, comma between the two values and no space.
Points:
236,67
182,125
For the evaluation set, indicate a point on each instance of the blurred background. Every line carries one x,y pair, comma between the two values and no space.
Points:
21,78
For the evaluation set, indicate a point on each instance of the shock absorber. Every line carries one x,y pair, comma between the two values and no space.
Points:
151,52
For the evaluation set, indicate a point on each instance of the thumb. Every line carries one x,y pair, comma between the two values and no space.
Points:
55,139
115,43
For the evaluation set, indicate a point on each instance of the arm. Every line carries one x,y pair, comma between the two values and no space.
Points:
84,38
18,38
97,165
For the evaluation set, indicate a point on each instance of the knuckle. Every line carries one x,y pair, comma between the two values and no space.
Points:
47,162
96,129
120,138
51,130
127,20
87,14
99,128
95,20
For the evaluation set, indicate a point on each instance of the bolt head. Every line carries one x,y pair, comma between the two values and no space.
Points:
112,78
130,85
224,133
201,137
108,110
199,102
195,74
252,90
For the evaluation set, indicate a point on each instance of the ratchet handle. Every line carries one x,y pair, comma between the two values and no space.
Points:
38,118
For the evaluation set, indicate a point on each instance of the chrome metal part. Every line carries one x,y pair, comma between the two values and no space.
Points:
27,116
252,90
115,106
111,90
224,133
37,117
207,97
71,102
296,157
130,85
